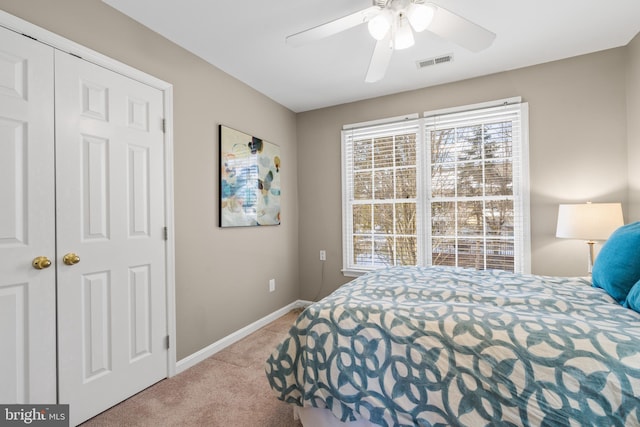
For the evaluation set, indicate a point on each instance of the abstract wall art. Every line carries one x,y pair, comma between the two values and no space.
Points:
249,180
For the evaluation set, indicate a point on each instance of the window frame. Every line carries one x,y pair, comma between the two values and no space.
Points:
521,190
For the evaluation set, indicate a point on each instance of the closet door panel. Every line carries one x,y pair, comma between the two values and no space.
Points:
27,223
110,185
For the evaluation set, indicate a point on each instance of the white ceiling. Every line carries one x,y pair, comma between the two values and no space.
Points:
246,39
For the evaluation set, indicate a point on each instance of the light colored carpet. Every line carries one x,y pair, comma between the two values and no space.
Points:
227,389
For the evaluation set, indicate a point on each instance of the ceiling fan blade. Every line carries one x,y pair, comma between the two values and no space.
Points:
333,27
380,60
459,30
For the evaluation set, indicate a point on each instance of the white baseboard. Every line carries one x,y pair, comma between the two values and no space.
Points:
197,357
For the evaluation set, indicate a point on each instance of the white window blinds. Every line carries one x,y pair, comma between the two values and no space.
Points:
477,188
448,189
380,195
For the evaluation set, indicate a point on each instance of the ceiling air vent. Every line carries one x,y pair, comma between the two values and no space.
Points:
435,61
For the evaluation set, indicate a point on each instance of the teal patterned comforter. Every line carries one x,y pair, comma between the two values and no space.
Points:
434,346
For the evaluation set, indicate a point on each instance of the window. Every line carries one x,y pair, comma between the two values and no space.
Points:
447,189
381,194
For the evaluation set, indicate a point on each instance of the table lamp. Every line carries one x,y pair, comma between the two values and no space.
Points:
589,221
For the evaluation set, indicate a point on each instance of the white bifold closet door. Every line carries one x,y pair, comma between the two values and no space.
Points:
82,191
110,214
27,222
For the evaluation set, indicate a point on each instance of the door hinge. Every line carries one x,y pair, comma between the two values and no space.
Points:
167,342
166,233
164,125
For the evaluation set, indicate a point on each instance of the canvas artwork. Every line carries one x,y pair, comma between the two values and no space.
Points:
249,180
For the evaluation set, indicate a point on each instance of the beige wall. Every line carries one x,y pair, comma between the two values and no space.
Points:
578,151
221,274
633,127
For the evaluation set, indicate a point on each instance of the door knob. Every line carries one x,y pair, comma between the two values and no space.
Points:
71,259
41,262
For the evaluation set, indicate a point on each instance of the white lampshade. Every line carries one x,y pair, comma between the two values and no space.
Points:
379,26
420,16
588,221
404,36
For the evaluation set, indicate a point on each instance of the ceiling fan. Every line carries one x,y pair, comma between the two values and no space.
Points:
392,23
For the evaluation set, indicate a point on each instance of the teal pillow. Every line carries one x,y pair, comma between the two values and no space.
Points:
617,267
633,299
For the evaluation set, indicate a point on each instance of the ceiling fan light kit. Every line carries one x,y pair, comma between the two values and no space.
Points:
380,24
403,37
392,23
395,17
420,16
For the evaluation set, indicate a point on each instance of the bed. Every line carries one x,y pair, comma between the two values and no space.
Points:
436,346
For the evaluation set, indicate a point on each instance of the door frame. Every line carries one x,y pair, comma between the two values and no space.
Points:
42,35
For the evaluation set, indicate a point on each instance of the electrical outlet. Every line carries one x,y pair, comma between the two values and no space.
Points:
323,255
272,285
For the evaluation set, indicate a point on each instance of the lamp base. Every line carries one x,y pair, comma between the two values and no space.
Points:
591,258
